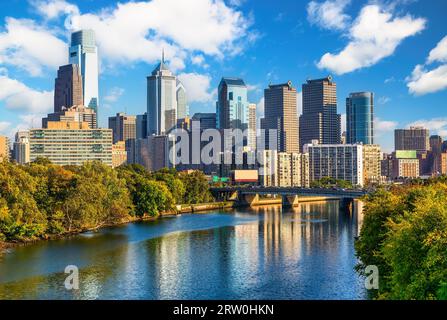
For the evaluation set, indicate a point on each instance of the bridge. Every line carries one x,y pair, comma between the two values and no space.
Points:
290,196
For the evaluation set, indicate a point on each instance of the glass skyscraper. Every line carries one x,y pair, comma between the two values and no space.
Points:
360,118
232,104
84,52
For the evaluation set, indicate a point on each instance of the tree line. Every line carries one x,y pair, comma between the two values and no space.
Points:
404,234
40,200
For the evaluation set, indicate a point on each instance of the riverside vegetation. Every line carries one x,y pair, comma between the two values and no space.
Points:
404,234
42,200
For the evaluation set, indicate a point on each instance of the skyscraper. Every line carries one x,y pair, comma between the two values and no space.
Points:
232,104
414,138
182,102
281,115
207,120
84,53
141,126
68,88
320,120
252,126
161,100
360,118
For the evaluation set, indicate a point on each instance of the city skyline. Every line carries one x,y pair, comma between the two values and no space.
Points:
200,64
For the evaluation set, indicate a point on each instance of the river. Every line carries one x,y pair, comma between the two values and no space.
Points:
305,252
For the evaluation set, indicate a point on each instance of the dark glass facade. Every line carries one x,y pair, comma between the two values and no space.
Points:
360,118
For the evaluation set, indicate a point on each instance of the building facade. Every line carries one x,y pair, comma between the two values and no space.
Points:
71,143
280,114
360,118
206,120
124,127
284,169
161,100
68,90
4,149
84,53
414,138
141,126
268,171
320,120
339,161
232,104
73,114
182,101
119,154
252,126
372,157
21,149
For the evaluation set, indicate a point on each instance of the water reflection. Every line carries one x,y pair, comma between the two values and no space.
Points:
263,253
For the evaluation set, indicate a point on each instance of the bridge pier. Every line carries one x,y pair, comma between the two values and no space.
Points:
347,204
290,201
249,199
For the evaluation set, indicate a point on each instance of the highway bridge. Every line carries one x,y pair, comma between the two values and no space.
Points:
290,196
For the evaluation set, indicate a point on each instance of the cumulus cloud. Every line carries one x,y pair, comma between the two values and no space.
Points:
435,125
374,35
4,125
198,87
329,14
384,126
51,9
424,80
18,96
30,47
114,94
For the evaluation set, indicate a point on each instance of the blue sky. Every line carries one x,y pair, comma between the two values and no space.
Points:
395,48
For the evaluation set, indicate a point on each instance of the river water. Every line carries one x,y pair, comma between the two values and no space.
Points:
264,253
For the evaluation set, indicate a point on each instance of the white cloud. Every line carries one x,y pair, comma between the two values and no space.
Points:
4,125
51,9
439,53
114,94
383,100
384,126
374,35
198,87
435,125
30,47
422,80
328,14
18,96
137,31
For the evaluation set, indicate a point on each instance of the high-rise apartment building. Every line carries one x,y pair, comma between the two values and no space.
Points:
252,126
320,120
284,169
268,171
68,90
71,143
339,161
232,104
84,53
21,149
119,154
123,126
161,100
360,118
372,157
280,114
182,102
4,148
414,138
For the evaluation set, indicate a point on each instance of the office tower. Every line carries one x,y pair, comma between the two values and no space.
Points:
338,161
182,102
123,126
435,154
21,149
360,118
206,120
84,53
252,126
386,166
320,120
71,143
284,169
232,104
73,114
68,88
280,114
119,154
414,138
161,100
4,148
405,164
141,126
268,170
371,163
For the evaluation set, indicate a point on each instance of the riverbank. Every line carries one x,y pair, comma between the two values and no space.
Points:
180,209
